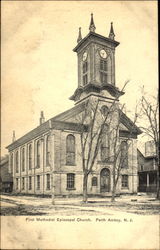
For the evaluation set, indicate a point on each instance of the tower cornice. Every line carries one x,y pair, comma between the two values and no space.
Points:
93,87
92,36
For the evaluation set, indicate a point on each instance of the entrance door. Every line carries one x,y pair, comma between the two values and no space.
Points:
105,180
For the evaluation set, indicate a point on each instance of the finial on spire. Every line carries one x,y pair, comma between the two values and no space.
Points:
92,26
79,35
111,33
13,136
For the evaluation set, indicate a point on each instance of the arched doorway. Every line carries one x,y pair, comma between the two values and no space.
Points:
105,180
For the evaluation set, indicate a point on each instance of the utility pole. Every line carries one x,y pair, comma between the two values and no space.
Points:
52,162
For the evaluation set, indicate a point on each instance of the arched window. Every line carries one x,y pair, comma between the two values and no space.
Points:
85,71
11,164
70,150
105,143
23,159
124,154
30,157
48,151
94,181
38,154
17,162
104,110
105,70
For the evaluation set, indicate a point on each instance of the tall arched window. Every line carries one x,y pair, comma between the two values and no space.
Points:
103,71
17,162
30,157
38,154
23,159
70,150
124,154
48,150
85,71
105,143
11,163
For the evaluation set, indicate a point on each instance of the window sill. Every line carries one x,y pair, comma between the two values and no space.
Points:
124,187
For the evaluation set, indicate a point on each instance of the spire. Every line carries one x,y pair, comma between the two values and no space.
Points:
79,35
42,119
92,26
111,33
13,136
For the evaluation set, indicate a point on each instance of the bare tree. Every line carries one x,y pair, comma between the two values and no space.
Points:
94,119
150,115
120,149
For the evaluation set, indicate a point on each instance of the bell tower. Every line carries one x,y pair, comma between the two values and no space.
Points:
96,64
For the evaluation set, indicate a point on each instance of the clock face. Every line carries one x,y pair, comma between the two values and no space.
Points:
84,56
103,53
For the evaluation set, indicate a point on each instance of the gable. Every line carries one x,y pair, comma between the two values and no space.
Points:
123,127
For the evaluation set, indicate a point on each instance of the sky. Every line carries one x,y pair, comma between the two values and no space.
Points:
39,67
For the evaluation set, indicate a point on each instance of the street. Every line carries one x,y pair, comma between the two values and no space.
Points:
69,220
31,205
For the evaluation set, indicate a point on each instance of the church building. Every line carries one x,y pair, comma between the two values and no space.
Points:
50,155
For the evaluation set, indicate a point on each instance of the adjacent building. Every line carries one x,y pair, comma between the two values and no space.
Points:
52,154
6,179
147,168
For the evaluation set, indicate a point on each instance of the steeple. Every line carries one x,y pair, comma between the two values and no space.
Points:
111,33
79,35
96,65
13,136
92,26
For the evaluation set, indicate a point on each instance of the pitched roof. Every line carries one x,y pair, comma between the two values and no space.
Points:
63,121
